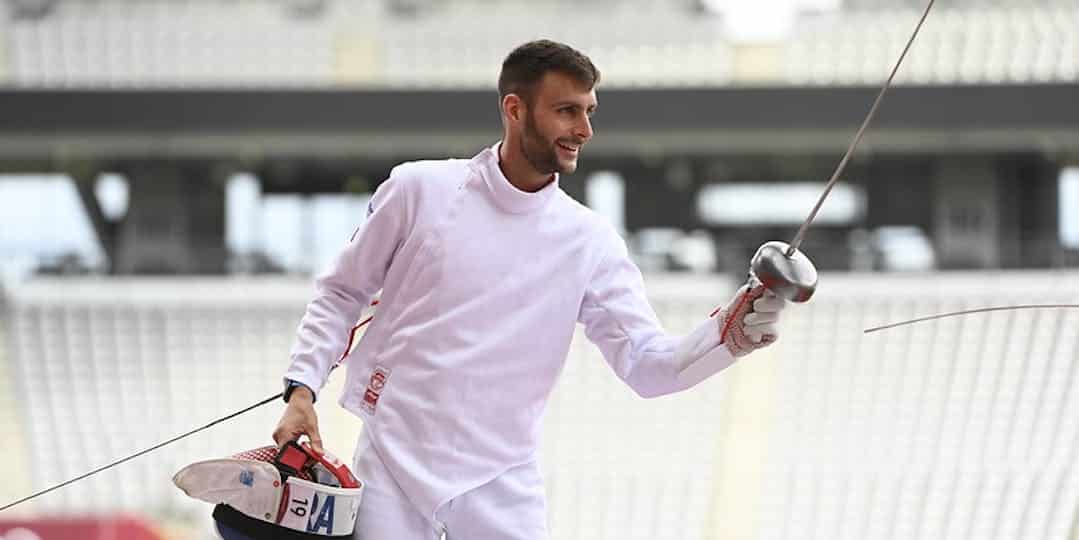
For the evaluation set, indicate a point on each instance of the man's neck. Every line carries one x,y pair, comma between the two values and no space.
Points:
519,171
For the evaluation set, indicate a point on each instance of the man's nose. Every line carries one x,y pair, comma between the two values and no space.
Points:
584,128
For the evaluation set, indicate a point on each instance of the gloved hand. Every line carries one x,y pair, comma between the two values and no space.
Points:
750,320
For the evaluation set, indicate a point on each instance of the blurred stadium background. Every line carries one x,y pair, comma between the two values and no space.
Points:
172,173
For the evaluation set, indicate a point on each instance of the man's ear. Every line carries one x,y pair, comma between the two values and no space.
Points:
513,107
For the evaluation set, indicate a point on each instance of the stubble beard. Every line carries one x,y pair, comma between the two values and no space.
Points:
542,156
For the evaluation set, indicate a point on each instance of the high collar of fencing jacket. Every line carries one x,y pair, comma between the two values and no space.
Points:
507,196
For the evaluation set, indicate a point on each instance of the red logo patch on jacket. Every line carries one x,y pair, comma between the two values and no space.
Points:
374,388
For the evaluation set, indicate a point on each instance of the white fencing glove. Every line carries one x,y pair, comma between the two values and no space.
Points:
750,321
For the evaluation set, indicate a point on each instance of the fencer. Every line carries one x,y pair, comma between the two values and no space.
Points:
485,267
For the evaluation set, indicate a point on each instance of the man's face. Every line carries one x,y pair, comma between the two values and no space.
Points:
557,123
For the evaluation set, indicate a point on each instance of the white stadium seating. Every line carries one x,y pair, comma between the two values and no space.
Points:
261,43
965,428
120,43
970,45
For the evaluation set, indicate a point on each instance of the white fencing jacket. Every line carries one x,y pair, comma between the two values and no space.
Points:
482,287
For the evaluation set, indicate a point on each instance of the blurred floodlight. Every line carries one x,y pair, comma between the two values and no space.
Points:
778,203
242,228
1069,207
605,192
904,248
113,194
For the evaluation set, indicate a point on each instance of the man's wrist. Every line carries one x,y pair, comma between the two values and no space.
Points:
298,389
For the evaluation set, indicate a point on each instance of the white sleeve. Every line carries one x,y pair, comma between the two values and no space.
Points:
619,320
347,287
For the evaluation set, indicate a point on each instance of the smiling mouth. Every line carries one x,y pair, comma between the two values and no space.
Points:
573,149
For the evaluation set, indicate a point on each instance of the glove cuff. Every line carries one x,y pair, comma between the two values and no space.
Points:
732,326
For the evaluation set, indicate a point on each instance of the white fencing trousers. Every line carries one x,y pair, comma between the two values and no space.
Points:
510,507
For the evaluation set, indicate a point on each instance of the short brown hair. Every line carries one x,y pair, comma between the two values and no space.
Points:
527,64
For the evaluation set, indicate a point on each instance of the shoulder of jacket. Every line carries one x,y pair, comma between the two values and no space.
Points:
428,170
603,233
585,215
